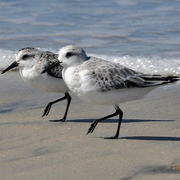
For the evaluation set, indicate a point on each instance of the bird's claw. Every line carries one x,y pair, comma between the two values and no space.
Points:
47,110
58,120
92,127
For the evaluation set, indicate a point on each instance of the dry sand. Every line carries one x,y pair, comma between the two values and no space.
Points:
31,147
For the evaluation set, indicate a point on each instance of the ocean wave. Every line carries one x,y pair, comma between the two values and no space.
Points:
146,64
6,58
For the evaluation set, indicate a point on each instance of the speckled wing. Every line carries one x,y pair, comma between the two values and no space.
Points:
109,76
50,59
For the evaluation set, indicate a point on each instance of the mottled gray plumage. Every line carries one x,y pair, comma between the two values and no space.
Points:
50,59
28,49
109,76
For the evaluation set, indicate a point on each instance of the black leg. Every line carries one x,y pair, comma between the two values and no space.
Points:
68,97
95,122
48,107
119,124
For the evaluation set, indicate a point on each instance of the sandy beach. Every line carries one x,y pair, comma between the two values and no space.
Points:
31,147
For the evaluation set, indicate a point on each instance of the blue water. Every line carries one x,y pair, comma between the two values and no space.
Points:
144,35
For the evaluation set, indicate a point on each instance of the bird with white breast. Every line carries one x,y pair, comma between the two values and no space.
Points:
31,63
102,82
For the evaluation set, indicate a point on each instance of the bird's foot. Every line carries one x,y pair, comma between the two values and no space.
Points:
92,127
58,120
47,110
113,137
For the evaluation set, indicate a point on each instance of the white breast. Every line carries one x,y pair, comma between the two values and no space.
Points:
44,81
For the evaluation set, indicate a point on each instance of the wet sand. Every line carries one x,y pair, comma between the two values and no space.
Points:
31,147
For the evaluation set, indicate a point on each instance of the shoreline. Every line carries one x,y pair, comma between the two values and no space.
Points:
33,147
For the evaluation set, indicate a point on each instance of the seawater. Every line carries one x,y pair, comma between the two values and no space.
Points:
142,35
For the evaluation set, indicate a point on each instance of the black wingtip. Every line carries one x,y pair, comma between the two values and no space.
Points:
172,78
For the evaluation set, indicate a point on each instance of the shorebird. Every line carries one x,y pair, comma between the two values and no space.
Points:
102,82
31,62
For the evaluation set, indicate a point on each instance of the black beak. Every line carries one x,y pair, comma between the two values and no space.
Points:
13,65
47,68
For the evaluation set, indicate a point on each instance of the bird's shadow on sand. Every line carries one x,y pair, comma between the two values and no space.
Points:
152,138
116,120
142,138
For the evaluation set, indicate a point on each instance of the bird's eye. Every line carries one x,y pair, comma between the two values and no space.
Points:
69,54
25,57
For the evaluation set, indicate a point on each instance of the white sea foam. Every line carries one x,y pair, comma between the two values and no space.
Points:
146,64
150,64
6,58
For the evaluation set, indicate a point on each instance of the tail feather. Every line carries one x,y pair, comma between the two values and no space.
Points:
154,80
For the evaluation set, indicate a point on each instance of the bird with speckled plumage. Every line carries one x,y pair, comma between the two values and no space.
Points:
31,62
102,82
